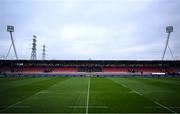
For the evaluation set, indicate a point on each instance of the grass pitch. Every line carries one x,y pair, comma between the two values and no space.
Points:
90,95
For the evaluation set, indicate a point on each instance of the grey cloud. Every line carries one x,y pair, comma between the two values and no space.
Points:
133,29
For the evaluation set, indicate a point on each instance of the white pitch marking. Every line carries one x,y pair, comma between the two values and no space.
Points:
123,85
174,107
20,107
87,103
10,106
138,93
153,107
41,92
36,94
164,107
159,107
88,107
133,90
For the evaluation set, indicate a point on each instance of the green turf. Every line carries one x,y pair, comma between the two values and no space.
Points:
90,95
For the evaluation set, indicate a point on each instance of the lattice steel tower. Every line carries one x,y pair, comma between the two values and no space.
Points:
44,52
33,53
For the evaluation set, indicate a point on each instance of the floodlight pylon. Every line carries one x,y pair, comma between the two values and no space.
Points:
169,29
10,29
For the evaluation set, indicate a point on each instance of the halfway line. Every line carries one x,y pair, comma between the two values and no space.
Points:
87,103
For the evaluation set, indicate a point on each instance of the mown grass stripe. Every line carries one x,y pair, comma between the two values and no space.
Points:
139,93
34,88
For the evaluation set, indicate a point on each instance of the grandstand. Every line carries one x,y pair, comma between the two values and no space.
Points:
93,67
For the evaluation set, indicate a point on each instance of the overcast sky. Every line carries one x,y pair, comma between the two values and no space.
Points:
96,29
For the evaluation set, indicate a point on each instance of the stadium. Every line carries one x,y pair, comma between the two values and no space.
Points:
121,85
89,86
